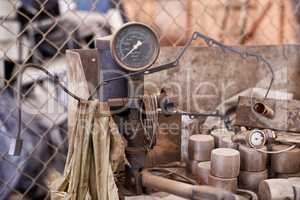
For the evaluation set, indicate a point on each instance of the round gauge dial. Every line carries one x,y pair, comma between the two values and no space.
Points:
135,46
257,138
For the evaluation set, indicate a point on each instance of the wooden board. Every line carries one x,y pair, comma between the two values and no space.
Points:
287,114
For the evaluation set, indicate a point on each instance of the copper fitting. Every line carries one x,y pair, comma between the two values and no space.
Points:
264,110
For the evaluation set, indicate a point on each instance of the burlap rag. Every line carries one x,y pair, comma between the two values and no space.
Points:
96,150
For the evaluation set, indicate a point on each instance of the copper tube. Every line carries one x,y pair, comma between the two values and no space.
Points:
184,190
264,110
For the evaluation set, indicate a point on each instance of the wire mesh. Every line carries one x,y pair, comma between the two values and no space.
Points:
40,31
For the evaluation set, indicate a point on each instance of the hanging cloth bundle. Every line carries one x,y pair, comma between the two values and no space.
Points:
96,150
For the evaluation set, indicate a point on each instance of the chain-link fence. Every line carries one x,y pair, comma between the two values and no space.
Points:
39,31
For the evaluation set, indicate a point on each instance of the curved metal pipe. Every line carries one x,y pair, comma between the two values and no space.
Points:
16,145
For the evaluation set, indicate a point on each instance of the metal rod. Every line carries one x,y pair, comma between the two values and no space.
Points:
167,185
210,42
195,192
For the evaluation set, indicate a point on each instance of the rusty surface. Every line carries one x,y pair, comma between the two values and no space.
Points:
286,162
252,160
168,146
275,189
286,114
206,76
89,60
250,180
264,110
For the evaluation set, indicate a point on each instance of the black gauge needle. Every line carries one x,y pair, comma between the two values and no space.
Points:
135,47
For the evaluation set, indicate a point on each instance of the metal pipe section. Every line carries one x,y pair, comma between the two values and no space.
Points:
264,110
163,184
194,192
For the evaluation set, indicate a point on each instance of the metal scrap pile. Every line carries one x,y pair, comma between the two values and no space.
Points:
261,156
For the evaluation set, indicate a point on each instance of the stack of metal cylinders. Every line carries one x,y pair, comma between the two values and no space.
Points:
225,168
199,152
253,168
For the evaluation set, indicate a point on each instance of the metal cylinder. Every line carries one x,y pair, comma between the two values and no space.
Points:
296,186
225,163
200,147
289,175
264,110
275,189
202,172
252,160
251,180
218,134
285,162
191,167
229,184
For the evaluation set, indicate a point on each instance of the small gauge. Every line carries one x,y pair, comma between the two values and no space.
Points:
135,46
256,138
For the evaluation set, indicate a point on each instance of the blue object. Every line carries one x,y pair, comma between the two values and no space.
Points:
97,5
37,150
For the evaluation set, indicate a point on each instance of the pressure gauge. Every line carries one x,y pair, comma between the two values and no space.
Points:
135,46
256,138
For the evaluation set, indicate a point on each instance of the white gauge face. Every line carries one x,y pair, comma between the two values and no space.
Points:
257,138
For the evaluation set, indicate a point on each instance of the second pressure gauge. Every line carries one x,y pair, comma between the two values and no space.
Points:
256,138
135,46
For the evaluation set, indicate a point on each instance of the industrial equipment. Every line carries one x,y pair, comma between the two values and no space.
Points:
116,68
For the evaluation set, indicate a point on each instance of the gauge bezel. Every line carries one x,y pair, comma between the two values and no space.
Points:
250,134
120,62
